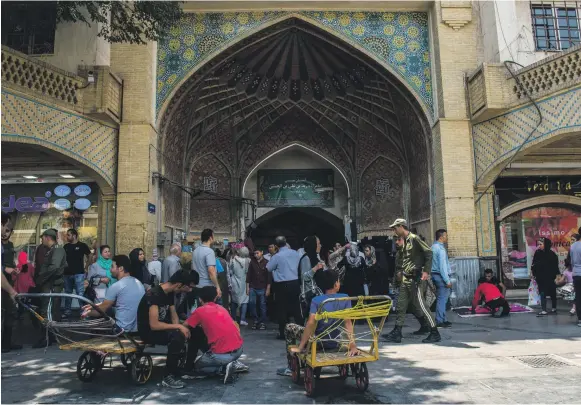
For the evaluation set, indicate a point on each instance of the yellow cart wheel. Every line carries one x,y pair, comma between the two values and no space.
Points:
362,377
141,368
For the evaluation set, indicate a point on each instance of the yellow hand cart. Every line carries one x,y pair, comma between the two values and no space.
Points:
374,310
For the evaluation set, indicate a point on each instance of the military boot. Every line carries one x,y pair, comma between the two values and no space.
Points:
394,336
433,337
424,328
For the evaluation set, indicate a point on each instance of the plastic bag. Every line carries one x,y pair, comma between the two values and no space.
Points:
534,296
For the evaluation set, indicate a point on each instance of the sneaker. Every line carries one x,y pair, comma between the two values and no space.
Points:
285,372
64,317
243,323
262,326
444,325
229,373
448,324
572,312
554,311
579,323
170,381
542,313
240,367
255,326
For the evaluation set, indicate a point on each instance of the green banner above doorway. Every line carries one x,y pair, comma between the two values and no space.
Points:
296,188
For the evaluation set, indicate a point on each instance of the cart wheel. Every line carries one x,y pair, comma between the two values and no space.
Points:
344,371
317,372
127,359
309,381
141,368
87,366
362,378
102,360
295,367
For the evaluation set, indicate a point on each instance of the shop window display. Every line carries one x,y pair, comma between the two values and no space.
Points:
519,234
37,207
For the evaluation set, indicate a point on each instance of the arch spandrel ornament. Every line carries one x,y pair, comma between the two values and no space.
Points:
397,41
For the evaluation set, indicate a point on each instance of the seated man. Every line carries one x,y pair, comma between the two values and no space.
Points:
218,333
495,281
328,281
159,323
493,299
124,296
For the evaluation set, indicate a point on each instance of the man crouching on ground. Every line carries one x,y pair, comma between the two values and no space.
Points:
214,329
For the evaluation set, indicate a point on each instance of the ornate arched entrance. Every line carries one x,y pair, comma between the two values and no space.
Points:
295,84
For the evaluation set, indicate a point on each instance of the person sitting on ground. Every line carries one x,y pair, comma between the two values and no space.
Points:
493,299
159,323
124,296
217,335
490,278
328,281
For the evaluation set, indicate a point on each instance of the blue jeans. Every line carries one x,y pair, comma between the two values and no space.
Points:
213,363
443,293
261,294
234,309
75,282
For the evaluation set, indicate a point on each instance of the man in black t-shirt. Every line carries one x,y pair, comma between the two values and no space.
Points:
488,275
159,324
74,275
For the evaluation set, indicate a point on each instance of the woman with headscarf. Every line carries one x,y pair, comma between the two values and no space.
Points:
99,276
355,277
24,280
238,269
378,277
309,264
139,267
545,269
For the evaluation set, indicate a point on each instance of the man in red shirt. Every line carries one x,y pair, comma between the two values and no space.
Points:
222,334
493,299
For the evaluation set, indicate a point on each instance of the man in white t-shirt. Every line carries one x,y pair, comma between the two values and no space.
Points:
154,268
204,262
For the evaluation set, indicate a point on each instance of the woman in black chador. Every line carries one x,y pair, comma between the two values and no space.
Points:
545,269
355,275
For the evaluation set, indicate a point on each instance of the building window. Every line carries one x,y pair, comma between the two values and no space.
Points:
29,27
556,24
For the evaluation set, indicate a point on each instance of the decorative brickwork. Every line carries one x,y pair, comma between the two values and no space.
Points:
381,195
397,40
86,141
210,174
496,139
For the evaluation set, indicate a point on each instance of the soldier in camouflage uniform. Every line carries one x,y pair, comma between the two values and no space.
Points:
414,261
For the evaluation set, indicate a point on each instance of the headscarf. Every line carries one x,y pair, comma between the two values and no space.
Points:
371,260
352,256
106,264
22,260
310,246
138,268
547,243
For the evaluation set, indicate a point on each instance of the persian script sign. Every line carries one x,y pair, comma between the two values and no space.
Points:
296,188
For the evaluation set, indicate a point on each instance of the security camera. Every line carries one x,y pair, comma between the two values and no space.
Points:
91,76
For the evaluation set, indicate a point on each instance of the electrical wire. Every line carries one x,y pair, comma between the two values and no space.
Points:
527,139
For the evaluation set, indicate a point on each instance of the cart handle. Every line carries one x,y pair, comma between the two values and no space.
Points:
362,298
64,295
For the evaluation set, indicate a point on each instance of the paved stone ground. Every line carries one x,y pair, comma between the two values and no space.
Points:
475,363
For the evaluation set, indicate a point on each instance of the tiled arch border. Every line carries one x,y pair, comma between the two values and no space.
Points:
426,107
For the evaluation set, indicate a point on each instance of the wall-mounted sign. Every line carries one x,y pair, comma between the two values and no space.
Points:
25,204
62,204
296,188
82,190
62,191
151,208
513,189
82,204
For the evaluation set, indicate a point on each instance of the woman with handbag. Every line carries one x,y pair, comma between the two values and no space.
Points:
102,268
545,269
309,264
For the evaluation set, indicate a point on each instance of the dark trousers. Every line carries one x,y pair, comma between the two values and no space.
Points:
577,286
8,317
176,343
286,295
497,303
553,295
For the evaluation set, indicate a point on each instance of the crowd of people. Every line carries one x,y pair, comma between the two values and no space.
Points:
202,306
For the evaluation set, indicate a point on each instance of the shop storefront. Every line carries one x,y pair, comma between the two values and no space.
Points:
37,207
520,230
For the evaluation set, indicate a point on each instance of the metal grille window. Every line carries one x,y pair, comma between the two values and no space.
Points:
556,25
29,27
